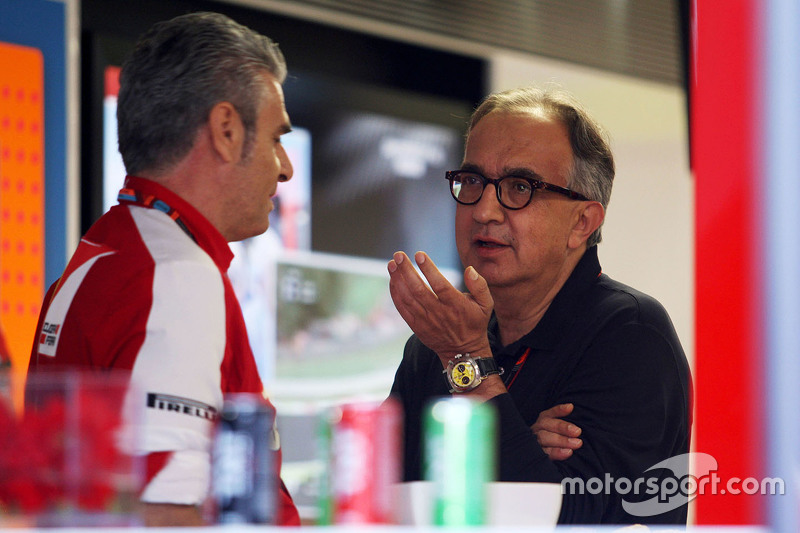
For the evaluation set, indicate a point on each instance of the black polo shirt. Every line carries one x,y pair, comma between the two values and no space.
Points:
613,352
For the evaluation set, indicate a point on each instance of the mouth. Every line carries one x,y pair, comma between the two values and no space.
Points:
488,243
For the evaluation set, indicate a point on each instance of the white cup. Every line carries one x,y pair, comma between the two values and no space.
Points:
510,504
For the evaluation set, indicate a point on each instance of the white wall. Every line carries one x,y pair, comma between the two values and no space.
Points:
648,236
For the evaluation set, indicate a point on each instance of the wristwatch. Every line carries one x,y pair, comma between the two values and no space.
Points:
464,373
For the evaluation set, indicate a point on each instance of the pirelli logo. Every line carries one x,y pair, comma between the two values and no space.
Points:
185,406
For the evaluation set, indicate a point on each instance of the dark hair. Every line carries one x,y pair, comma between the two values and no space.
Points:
179,70
593,163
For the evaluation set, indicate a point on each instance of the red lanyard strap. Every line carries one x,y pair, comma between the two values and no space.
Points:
512,375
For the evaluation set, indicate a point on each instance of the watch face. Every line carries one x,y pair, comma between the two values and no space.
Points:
463,374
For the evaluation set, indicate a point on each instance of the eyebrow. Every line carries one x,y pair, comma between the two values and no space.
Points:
520,172
523,172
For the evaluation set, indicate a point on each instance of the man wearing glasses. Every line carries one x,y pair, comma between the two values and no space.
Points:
558,348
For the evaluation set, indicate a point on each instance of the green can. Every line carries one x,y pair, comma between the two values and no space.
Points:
460,460
325,420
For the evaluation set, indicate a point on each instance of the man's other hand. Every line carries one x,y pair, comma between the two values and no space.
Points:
558,438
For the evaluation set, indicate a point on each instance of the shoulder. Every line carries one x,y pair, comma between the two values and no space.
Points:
138,231
627,344
621,304
148,248
134,262
623,324
179,265
633,333
165,241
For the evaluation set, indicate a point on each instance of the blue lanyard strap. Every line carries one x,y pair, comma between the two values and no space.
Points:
132,196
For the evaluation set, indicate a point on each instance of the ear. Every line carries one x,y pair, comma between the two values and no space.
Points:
589,216
227,132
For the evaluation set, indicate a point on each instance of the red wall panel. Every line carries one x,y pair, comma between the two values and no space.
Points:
729,422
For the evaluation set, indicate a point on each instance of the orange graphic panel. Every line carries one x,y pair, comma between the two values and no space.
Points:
21,200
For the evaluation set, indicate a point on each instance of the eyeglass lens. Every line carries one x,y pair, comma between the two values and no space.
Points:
512,192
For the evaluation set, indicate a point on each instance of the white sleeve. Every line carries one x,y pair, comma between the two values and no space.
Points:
183,480
175,383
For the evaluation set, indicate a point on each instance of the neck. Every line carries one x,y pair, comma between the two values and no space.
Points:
520,309
518,312
194,180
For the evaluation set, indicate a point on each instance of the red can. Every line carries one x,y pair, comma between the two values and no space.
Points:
365,461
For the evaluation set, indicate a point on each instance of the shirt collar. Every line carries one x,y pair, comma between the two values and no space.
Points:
559,315
206,235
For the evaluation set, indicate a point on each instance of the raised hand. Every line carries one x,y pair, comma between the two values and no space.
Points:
445,319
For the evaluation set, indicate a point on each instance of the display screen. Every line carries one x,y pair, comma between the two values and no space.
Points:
379,158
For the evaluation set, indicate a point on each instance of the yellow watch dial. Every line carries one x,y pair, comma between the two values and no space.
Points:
463,374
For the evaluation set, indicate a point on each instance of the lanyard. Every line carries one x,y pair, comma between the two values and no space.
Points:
132,196
512,375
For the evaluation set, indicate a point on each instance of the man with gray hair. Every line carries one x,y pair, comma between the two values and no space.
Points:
200,114
558,348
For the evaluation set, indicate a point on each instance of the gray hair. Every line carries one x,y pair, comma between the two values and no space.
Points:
592,171
179,70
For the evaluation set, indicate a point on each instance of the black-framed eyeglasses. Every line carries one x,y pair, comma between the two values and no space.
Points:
513,192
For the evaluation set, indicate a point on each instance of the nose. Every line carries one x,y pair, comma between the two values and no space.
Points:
488,208
287,171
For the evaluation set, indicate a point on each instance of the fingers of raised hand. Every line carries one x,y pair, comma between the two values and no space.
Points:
479,290
407,283
440,285
444,318
409,293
